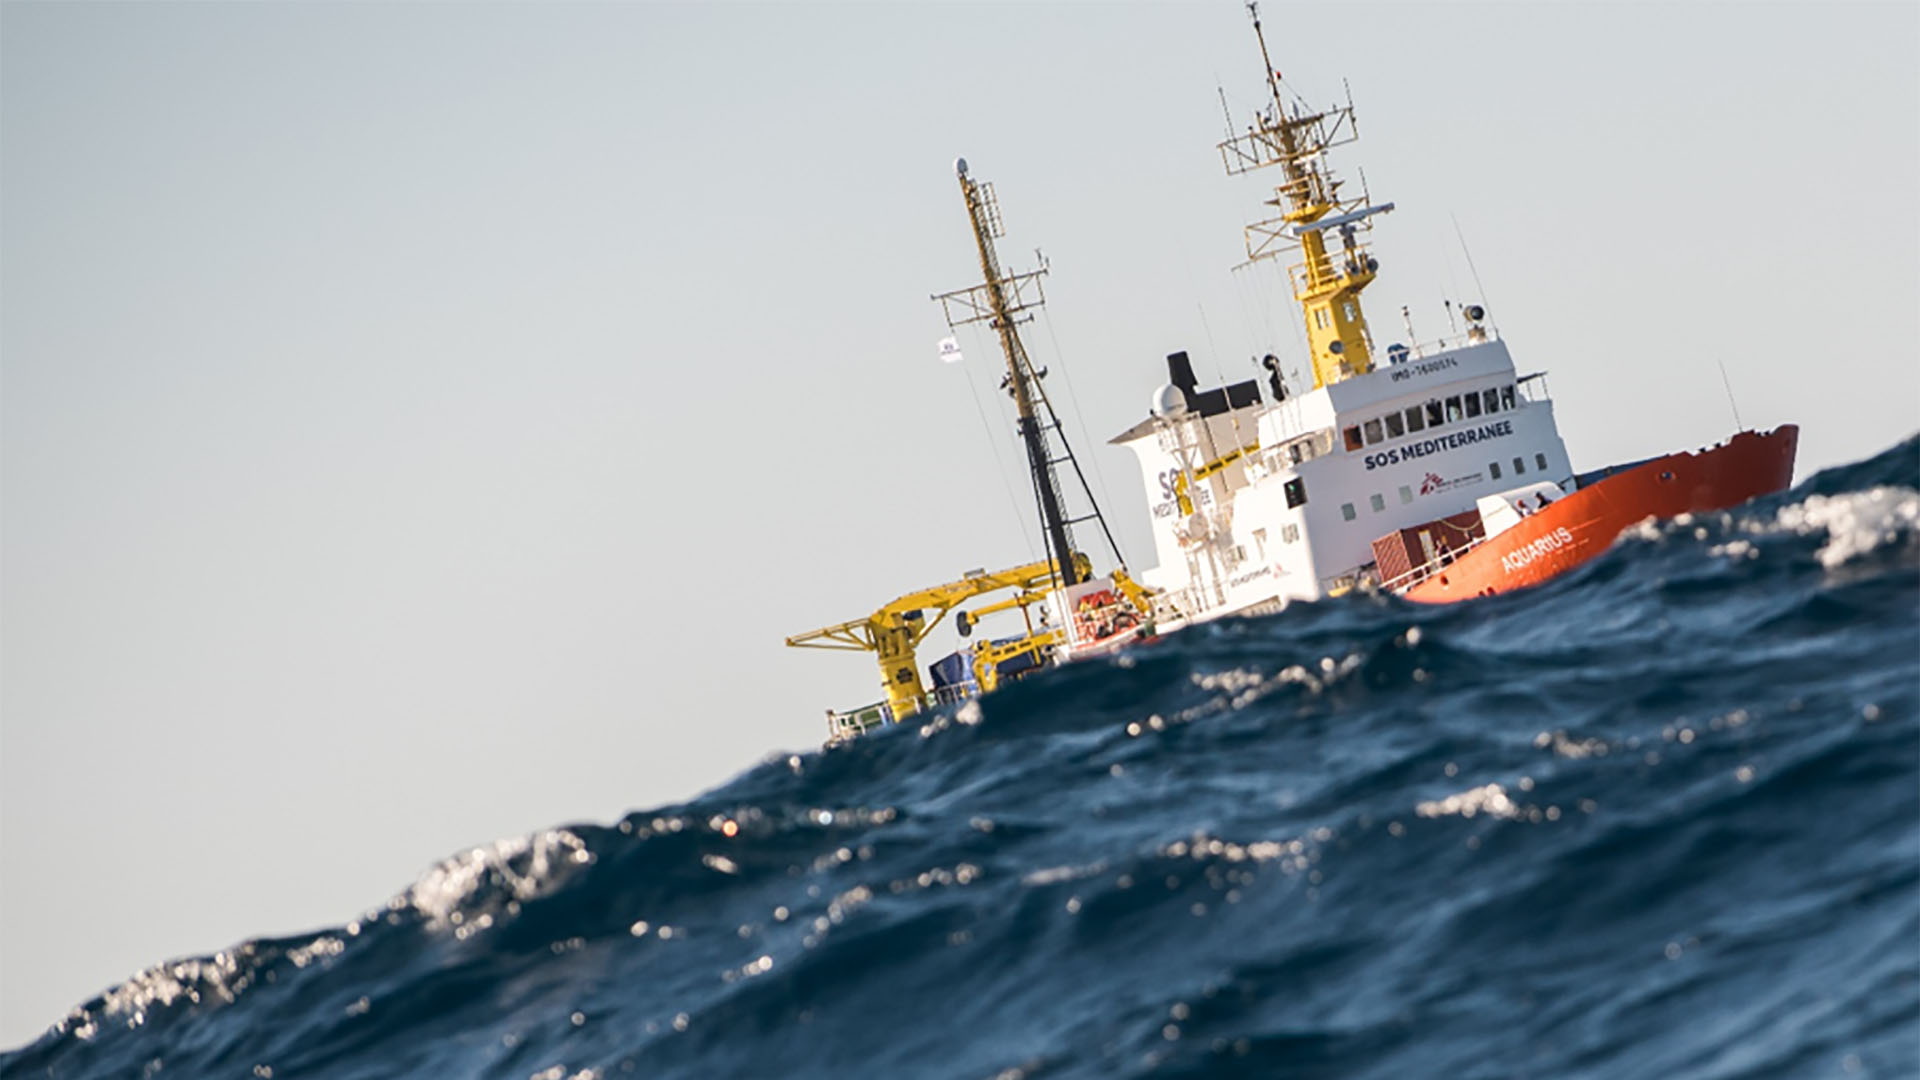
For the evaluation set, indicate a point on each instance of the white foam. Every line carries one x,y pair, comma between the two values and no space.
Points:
1856,522
1489,799
527,865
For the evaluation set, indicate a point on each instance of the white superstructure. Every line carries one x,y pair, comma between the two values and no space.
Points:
1256,503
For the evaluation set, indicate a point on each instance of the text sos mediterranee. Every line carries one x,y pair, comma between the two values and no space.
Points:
1438,443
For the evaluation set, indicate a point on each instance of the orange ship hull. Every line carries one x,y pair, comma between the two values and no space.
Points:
1584,524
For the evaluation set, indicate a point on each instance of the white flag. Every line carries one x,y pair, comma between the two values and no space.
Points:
950,350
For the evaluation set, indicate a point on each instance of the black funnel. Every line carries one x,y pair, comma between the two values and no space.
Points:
1180,372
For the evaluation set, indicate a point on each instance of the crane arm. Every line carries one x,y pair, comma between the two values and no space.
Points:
1026,578
1024,599
894,631
854,635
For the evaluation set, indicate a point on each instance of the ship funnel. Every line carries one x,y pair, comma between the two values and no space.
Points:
1180,371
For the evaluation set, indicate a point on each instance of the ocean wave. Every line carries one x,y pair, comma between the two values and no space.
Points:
1660,816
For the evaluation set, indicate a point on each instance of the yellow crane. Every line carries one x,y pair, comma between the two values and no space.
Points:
895,631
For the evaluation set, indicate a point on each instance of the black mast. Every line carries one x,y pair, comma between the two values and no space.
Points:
998,310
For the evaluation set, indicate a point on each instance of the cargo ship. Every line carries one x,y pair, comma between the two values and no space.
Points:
1432,470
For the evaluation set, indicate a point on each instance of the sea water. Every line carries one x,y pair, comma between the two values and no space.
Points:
1658,818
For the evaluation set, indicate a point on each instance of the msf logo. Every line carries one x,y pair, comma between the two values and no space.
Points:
1431,484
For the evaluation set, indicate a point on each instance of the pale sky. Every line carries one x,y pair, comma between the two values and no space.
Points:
423,423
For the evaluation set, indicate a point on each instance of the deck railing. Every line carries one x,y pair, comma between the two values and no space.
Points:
1402,582
1423,349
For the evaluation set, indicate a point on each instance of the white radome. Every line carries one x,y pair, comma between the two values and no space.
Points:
1169,403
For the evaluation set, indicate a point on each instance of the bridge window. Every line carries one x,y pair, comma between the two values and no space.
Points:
1416,419
1493,469
1290,534
1373,432
1394,430
1346,512
1406,494
1493,400
1434,416
1473,404
1519,466
1540,460
1453,409
1296,491
1378,502
1506,396
1352,435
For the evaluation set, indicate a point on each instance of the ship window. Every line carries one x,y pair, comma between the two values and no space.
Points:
1352,435
1493,469
1378,502
1406,494
1296,490
1294,452
1506,396
1493,400
1373,432
1540,460
1453,409
1473,404
1394,430
1290,534
1416,419
1519,466
1260,541
1346,512
1434,416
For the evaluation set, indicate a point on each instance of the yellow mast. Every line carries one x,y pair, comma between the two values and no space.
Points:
1326,283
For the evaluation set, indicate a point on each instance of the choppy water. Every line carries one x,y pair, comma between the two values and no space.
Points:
1659,818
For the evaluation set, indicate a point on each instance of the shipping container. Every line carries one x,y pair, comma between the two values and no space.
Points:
1425,546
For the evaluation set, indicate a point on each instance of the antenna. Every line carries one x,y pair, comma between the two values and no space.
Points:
1273,77
1481,289
1724,381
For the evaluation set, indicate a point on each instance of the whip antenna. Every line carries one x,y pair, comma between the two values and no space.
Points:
1724,381
1481,289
